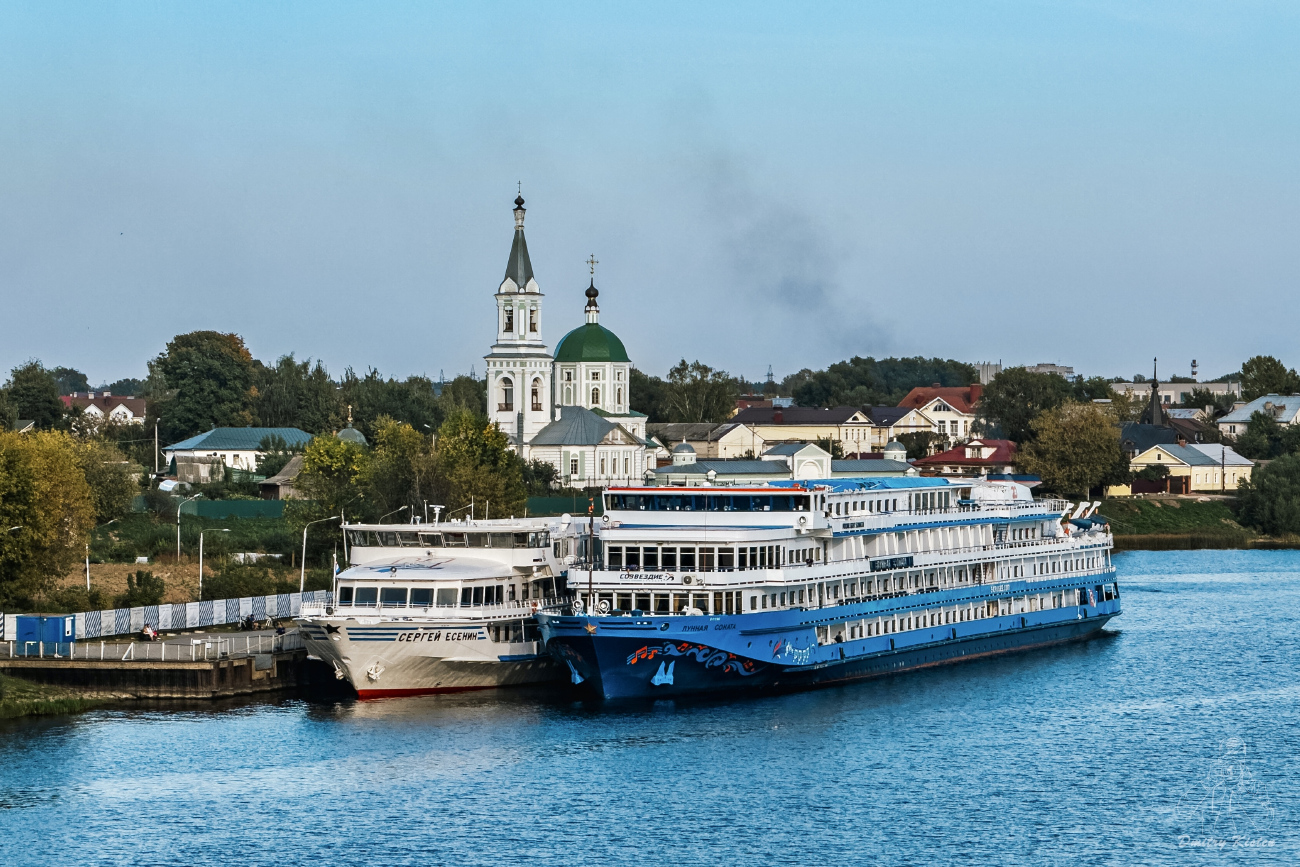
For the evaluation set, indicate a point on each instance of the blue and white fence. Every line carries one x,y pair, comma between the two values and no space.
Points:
186,615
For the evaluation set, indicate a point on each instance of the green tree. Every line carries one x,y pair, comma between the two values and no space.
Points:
126,387
920,443
44,494
1075,447
697,393
868,382
1264,438
464,392
275,452
474,462
1269,501
70,380
1200,398
1014,399
401,469
331,468
1264,374
538,477
296,394
143,588
34,394
414,401
648,393
209,376
108,473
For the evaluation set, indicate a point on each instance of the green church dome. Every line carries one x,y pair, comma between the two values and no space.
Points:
590,342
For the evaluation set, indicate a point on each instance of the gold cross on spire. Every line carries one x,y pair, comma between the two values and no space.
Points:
592,262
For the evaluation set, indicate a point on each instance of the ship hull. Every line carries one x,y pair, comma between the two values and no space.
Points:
394,660
669,663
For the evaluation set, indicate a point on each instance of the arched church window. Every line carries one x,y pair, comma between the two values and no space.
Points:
537,395
507,403
532,320
618,399
595,397
568,396
510,320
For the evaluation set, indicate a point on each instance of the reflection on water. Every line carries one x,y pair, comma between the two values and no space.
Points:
1167,739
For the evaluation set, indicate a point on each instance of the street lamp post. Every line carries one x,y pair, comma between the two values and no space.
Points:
114,521
201,532
302,576
394,512
178,526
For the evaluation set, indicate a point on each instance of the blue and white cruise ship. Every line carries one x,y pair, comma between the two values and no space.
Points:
795,584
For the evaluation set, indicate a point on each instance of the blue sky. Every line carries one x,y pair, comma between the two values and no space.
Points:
1087,183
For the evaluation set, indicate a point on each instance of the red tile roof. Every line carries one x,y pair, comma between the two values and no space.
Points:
962,399
1004,452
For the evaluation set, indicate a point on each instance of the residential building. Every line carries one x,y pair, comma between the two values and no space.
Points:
888,423
1199,468
106,405
988,370
234,447
1059,369
570,409
978,457
711,441
280,485
1284,409
951,409
1174,393
808,424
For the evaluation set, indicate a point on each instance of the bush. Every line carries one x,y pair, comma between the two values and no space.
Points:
143,588
1269,501
234,580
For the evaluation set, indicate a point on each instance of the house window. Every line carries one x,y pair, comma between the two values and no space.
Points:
626,469
573,466
602,466
595,397
510,320
532,320
537,395
507,403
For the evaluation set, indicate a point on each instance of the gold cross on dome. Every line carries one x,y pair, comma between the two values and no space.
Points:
592,262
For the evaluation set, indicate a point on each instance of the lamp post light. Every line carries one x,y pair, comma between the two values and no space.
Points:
394,512
302,576
178,526
201,532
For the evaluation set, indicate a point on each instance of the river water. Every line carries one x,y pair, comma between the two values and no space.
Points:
1170,740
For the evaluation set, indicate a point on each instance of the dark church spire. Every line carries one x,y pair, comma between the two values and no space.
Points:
519,268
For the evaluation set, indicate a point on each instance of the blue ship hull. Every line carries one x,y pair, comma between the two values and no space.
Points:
657,657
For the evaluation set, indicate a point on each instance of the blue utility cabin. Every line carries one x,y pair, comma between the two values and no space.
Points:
56,629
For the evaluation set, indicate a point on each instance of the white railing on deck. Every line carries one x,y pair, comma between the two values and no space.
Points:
515,607
196,650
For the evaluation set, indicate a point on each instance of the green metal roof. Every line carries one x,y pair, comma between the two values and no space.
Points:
590,342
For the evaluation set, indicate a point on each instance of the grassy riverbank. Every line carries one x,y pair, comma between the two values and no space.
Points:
18,698
1170,523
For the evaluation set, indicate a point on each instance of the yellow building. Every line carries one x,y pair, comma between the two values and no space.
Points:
1209,468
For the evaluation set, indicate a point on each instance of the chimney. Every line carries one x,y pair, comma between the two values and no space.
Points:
778,417
976,390
936,385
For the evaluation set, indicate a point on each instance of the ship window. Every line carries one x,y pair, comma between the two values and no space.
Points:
742,561
706,560
687,557
669,557
431,540
661,603
642,601
388,540
765,600
477,598
614,556
367,596
421,597
624,601
359,538
447,596
408,540
632,557
393,596
453,540
727,558
650,558
345,595
502,540
782,600
478,540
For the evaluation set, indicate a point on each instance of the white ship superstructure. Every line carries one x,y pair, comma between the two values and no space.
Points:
426,608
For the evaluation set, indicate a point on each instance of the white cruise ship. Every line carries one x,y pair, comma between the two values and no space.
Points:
430,608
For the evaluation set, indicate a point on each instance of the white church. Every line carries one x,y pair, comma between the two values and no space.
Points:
569,409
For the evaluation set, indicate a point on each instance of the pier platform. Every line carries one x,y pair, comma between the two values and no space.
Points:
186,667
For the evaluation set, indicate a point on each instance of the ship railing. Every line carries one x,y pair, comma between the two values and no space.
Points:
496,609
